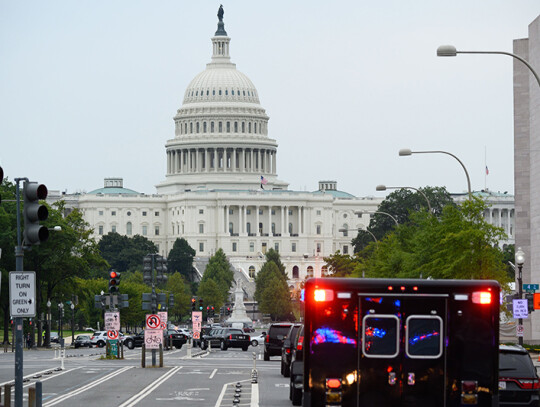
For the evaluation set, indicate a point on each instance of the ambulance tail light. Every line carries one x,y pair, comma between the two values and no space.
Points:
481,297
322,295
334,394
469,392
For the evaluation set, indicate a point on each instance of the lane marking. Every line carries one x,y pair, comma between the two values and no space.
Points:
29,376
44,379
148,389
87,387
255,395
224,390
213,374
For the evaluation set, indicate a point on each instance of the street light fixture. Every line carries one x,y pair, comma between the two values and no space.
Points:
384,188
520,260
384,213
49,325
72,306
451,51
359,229
407,151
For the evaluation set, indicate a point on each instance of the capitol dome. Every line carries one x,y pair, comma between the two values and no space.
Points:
221,131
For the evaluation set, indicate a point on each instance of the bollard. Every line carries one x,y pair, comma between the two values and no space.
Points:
160,355
39,394
122,349
31,396
189,349
7,395
143,360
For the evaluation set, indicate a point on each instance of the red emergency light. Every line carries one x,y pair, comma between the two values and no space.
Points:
481,297
322,295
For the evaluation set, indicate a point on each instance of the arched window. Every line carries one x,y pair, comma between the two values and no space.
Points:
255,127
231,228
198,125
248,228
310,271
191,127
220,127
260,228
290,228
249,127
236,127
129,228
324,271
345,230
204,127
252,271
228,127
273,228
295,273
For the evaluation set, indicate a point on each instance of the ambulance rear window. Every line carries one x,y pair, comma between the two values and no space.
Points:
380,336
424,336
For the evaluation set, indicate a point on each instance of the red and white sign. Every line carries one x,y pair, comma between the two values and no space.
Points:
163,316
196,335
153,321
153,338
112,334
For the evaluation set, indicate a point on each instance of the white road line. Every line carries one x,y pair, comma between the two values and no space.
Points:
87,387
44,379
213,374
148,389
30,375
255,395
223,391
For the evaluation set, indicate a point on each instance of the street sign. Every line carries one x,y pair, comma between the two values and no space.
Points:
22,293
153,338
153,321
531,287
112,321
163,316
196,335
519,330
196,318
113,350
112,334
520,309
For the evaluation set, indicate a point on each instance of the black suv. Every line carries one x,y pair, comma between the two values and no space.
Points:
274,339
233,338
174,338
286,349
211,338
519,384
133,341
297,368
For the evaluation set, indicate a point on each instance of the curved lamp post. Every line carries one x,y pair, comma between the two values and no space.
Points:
384,188
520,260
451,51
407,151
384,213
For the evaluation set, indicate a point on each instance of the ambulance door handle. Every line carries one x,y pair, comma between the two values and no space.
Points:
391,378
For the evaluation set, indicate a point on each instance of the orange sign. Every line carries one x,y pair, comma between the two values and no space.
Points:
536,301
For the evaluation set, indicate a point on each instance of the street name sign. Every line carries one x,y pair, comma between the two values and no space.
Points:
112,321
22,293
531,287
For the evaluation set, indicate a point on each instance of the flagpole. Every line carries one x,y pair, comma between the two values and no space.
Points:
486,168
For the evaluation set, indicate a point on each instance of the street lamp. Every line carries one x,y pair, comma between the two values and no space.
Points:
407,151
72,306
60,330
384,188
359,229
381,212
451,51
49,323
520,260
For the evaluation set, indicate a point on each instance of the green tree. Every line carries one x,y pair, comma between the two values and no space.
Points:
340,265
275,298
125,253
180,259
220,271
273,255
211,293
181,291
262,280
459,244
8,239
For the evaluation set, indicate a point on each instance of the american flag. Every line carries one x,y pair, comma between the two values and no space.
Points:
264,181
487,170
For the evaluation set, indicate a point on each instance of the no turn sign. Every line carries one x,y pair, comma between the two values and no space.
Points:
112,334
153,321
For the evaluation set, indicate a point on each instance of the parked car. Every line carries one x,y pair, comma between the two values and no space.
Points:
99,338
185,331
274,339
519,384
255,340
174,338
211,338
286,349
133,341
297,368
82,341
54,337
233,338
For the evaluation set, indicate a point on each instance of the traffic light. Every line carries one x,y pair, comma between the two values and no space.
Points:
200,304
193,304
114,281
161,269
147,269
34,212
212,311
171,301
228,311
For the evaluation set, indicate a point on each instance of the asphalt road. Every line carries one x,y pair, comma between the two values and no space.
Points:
207,379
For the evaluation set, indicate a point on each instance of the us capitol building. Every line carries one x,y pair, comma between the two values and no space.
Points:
221,189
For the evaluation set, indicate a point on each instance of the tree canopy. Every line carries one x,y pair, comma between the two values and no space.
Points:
271,289
180,259
220,271
125,253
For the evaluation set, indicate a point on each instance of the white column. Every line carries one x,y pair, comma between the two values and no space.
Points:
243,161
274,163
206,160
258,161
270,221
286,231
233,160
257,220
244,210
226,219
282,220
299,220
251,153
188,160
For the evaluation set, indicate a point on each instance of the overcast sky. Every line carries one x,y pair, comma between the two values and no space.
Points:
88,89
